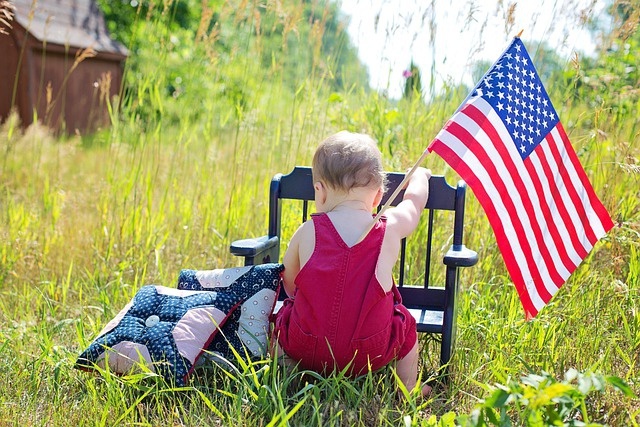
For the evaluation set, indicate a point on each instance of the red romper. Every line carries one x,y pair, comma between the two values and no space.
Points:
340,314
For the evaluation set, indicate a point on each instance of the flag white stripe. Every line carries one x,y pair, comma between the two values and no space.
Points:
552,203
593,220
534,220
561,186
546,196
469,158
512,198
530,224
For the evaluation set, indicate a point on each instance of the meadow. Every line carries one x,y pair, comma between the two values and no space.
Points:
183,170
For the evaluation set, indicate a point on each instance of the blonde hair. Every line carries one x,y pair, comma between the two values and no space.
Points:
348,160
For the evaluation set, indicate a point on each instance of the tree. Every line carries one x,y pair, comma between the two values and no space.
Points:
413,82
122,16
612,78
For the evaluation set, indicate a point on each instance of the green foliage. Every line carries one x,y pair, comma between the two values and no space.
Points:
237,52
413,81
214,105
541,400
123,16
612,79
310,39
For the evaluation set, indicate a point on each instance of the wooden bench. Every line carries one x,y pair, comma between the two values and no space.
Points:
433,301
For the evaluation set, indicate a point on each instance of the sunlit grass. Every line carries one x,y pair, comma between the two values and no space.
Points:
85,222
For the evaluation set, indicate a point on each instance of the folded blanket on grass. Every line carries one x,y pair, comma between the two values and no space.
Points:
167,330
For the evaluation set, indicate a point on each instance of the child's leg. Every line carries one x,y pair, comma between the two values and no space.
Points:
407,370
277,352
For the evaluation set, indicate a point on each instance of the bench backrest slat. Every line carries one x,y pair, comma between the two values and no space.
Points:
298,185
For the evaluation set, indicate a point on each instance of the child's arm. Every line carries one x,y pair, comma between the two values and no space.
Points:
291,259
403,219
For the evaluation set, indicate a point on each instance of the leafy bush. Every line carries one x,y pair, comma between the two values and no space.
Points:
541,400
537,401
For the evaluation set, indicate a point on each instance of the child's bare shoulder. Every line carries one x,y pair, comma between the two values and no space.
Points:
304,231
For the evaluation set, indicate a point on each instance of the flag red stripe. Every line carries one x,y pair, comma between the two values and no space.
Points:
526,199
549,220
596,204
573,193
469,141
509,146
463,169
555,195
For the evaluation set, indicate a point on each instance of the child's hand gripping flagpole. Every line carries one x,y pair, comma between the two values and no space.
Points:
393,196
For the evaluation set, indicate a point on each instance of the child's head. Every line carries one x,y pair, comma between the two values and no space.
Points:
348,160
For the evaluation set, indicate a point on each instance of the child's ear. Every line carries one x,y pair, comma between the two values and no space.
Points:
321,191
378,199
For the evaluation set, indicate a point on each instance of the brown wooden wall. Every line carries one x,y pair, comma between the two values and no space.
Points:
76,102
9,95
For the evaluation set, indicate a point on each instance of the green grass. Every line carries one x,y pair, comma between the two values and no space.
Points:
86,221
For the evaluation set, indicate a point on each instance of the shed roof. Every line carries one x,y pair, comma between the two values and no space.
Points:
76,23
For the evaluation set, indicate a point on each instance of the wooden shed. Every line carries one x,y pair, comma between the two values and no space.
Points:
58,65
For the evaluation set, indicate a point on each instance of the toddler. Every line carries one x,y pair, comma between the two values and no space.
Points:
344,310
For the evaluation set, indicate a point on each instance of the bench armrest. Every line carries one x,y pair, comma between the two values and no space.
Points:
253,247
460,256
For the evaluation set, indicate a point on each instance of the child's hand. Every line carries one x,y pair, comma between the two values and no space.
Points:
404,218
418,174
425,171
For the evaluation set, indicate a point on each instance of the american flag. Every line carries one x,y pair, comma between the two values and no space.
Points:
507,143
